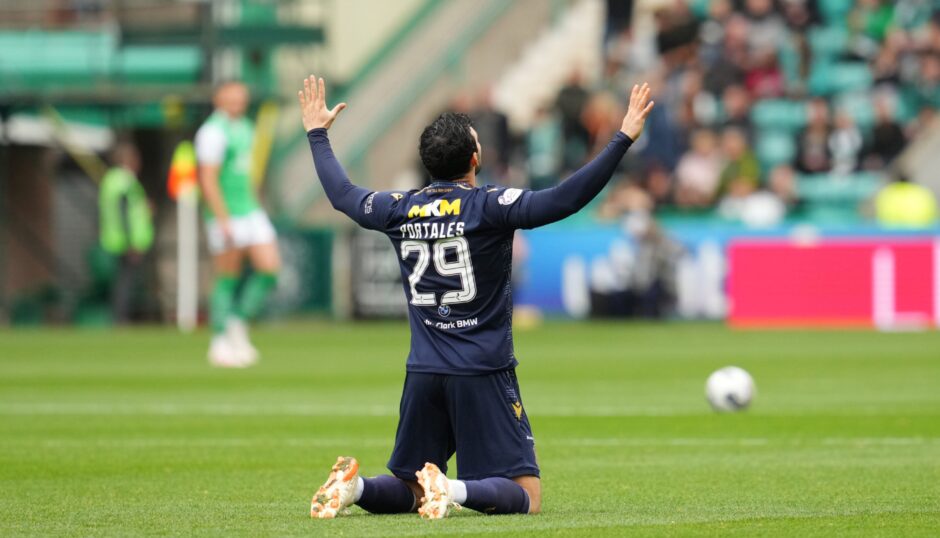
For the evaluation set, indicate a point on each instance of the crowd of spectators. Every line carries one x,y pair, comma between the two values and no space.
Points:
844,87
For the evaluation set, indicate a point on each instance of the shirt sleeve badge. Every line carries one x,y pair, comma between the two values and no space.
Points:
509,196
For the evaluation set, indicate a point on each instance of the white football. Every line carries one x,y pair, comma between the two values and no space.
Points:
729,389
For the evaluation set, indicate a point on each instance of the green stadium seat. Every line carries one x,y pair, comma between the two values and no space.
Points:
905,108
162,64
837,190
828,78
834,199
700,8
779,114
35,58
832,215
59,59
828,42
835,11
859,106
774,148
789,58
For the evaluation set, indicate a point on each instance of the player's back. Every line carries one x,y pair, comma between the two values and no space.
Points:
456,265
454,244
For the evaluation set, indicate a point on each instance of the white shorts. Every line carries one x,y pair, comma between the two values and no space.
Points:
248,230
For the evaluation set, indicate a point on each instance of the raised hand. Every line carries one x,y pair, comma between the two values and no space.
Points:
639,109
313,105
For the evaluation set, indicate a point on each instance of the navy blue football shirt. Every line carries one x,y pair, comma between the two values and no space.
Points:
454,245
455,251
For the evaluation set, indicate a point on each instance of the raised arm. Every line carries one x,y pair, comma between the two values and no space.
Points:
543,207
568,197
344,196
317,118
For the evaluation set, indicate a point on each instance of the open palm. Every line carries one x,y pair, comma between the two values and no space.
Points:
313,105
638,111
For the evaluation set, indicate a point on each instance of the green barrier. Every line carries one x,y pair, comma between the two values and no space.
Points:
305,284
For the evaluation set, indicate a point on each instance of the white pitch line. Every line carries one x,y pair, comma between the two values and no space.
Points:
631,523
231,442
387,410
677,441
58,408
880,441
744,441
195,409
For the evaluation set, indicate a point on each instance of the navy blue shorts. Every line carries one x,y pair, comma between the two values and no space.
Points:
479,416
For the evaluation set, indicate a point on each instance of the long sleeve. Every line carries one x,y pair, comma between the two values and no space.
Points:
529,209
344,196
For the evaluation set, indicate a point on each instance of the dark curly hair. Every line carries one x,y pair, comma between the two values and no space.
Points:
447,146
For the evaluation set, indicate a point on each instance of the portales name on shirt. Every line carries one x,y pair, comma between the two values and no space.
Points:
432,230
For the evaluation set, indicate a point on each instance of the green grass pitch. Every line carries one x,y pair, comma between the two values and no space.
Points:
129,432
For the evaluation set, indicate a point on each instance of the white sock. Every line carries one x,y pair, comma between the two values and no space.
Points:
359,485
458,491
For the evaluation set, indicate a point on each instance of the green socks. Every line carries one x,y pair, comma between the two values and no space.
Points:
254,295
221,302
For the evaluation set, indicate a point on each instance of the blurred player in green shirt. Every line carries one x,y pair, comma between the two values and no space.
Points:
237,228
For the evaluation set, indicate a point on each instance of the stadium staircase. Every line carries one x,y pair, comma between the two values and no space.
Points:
572,44
462,45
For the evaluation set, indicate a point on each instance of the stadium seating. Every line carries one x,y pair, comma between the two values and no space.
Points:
828,42
858,105
775,147
828,78
835,199
835,11
834,188
32,60
780,114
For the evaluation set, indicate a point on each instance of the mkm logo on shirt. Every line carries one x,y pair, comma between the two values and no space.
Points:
437,208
